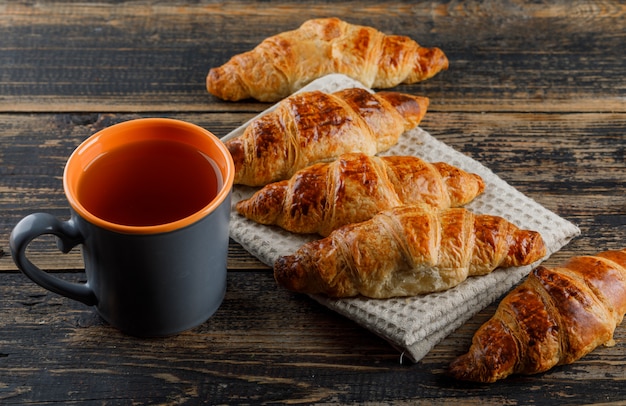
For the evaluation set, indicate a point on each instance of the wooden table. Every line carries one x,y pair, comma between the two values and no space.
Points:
535,91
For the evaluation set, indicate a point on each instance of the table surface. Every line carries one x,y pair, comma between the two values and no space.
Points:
535,91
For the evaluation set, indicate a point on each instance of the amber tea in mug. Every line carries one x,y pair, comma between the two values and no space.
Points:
148,183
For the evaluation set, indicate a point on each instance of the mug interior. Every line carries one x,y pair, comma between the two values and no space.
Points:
147,129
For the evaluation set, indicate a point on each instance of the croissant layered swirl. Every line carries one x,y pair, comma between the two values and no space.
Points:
312,127
405,251
284,63
353,188
556,316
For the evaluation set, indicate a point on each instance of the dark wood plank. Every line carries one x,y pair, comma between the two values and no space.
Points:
127,56
272,346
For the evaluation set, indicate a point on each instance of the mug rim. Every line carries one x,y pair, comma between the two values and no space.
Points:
193,134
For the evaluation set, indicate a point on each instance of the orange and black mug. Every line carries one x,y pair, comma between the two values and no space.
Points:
150,206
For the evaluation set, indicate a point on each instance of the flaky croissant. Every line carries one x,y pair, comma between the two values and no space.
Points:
312,127
407,250
286,62
353,188
556,316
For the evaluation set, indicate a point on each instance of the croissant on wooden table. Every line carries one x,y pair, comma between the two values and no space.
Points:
556,316
312,127
405,251
286,62
353,188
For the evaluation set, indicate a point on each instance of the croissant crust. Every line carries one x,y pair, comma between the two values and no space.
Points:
556,316
312,127
353,188
284,63
407,250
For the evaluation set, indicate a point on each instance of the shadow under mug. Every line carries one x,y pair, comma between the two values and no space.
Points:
150,277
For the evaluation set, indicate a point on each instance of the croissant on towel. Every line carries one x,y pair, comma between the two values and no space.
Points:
353,188
407,250
312,127
286,62
556,316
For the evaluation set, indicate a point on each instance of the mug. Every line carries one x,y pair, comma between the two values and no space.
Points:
150,207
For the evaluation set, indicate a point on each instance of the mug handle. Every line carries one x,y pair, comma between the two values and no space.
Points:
35,225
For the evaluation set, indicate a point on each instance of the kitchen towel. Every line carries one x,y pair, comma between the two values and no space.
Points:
414,325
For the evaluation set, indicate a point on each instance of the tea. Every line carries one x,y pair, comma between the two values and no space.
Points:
149,183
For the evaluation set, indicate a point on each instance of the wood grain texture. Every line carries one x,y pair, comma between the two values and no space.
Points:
535,92
270,347
135,56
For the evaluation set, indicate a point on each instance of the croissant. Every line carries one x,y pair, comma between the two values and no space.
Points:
407,250
326,196
284,63
556,316
311,127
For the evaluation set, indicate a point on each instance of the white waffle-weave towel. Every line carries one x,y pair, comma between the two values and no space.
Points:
415,325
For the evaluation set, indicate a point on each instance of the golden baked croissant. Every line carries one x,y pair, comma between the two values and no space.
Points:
286,62
407,250
353,188
311,127
555,317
